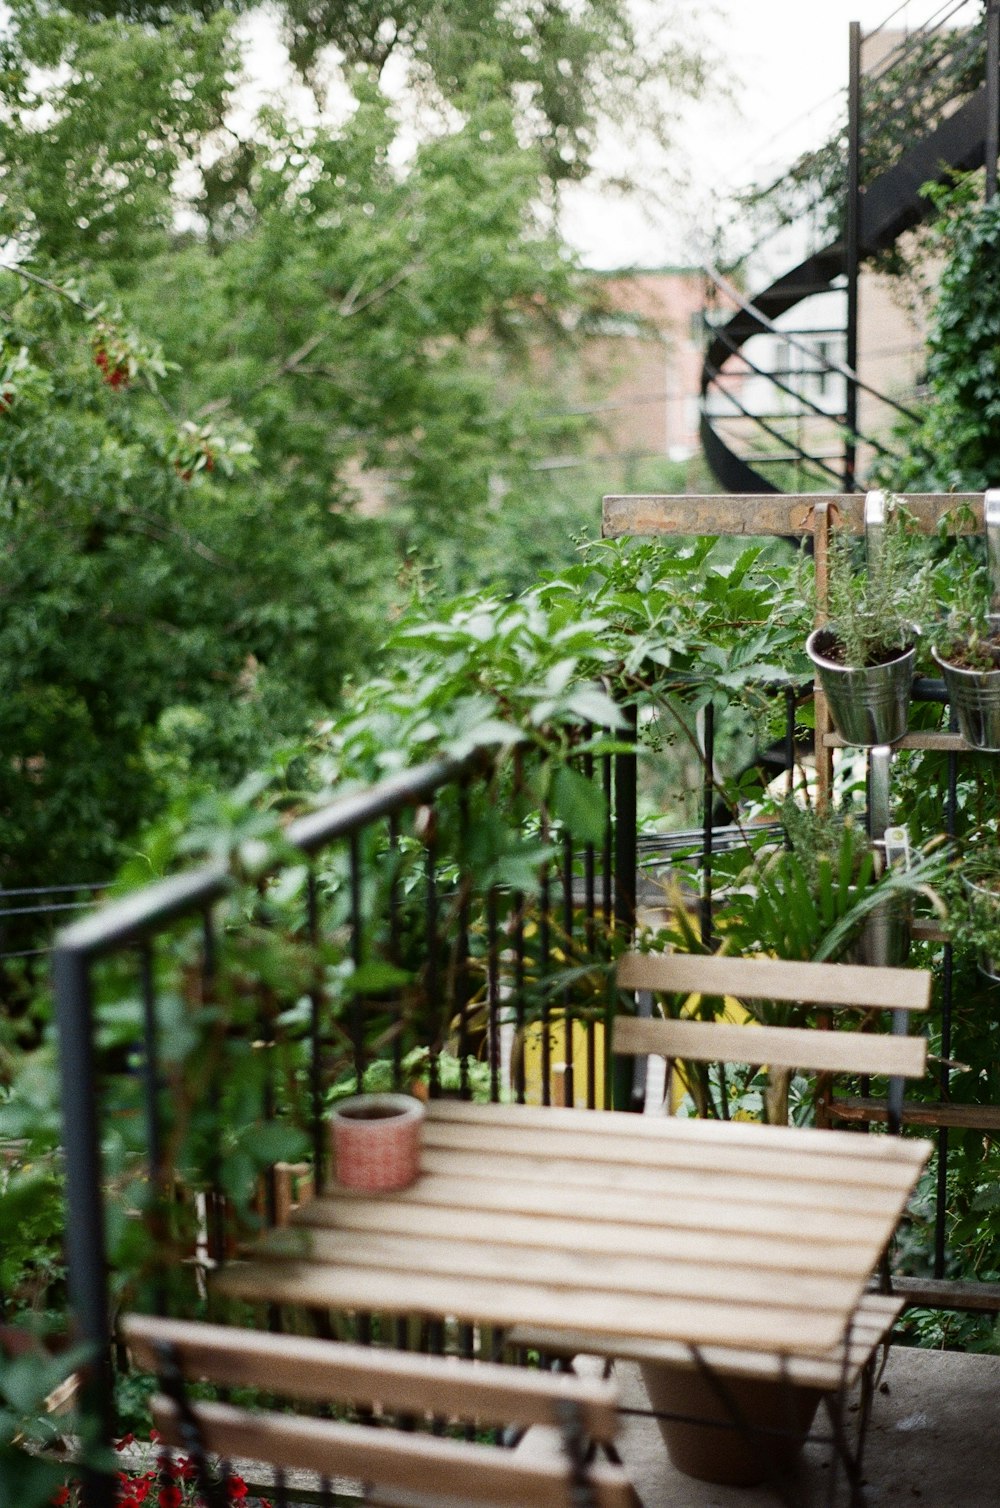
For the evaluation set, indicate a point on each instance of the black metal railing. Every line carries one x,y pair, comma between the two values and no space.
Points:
205,1020
443,925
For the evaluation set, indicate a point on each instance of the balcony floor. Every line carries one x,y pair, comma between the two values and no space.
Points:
934,1440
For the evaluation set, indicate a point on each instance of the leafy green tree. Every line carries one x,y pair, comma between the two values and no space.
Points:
188,572
956,444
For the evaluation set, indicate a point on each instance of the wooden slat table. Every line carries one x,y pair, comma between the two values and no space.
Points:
726,1233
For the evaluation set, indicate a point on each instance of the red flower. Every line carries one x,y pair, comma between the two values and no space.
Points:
237,1489
170,1497
155,1436
60,1496
125,1442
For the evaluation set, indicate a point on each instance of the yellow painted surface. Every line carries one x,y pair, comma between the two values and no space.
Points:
558,1048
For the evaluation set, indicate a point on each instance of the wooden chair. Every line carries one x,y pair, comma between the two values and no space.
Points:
560,1412
836,988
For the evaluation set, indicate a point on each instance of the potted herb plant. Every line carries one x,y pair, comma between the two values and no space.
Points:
968,654
975,914
865,654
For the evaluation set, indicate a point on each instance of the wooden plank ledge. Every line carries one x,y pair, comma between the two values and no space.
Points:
933,1113
943,1293
652,514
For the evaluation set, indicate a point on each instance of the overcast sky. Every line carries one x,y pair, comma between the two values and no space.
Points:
787,61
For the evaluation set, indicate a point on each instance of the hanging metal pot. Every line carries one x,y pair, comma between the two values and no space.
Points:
869,704
975,696
985,904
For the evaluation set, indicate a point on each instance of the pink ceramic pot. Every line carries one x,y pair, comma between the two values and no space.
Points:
376,1141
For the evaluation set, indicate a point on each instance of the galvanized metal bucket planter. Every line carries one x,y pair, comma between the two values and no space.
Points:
975,696
869,704
884,939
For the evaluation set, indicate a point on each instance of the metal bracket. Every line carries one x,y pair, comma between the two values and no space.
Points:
991,519
575,1449
876,512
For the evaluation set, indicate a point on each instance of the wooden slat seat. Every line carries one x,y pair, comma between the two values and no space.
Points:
436,1470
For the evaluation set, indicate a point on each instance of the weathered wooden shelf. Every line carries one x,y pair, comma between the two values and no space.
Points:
927,1113
943,742
946,1293
766,513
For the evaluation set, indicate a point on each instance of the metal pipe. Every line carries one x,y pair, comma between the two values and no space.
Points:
991,146
991,522
852,251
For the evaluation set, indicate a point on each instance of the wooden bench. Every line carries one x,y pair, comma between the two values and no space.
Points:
562,1414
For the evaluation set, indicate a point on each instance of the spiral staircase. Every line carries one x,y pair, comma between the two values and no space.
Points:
923,111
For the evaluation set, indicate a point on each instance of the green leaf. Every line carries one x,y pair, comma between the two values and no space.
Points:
375,977
580,804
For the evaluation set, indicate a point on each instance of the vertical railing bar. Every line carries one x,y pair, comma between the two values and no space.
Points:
493,992
544,945
316,1003
214,1198
433,943
151,1089
462,982
569,1087
517,900
215,1203
590,933
707,826
626,828
85,1232
357,954
266,1017
395,856
607,852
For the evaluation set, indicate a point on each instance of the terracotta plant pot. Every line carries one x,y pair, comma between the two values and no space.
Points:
713,1451
376,1141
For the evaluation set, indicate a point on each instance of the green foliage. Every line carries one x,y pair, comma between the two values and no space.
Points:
875,610
956,444
563,66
